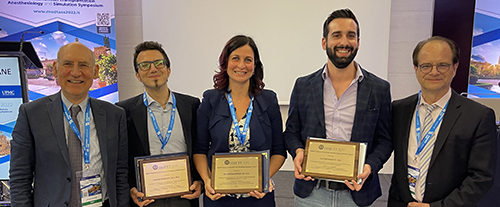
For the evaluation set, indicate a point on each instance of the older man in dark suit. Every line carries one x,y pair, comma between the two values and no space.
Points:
444,144
54,153
152,67
342,102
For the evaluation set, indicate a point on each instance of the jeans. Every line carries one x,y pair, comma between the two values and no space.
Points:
321,197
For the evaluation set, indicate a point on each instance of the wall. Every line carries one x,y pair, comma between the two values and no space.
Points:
128,18
410,22
288,34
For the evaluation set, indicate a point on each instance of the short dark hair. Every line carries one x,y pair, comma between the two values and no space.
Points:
341,13
221,78
455,50
149,45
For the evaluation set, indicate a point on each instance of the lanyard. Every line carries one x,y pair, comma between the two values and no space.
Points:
241,135
86,145
163,141
429,134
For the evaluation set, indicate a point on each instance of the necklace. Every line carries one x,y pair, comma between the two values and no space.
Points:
239,101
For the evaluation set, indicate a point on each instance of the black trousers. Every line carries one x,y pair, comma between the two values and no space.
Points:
105,203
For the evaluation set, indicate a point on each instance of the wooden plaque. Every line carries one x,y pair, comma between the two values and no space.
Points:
332,160
164,177
237,173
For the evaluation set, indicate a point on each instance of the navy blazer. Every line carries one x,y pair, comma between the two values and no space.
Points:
463,160
138,138
372,124
215,121
40,154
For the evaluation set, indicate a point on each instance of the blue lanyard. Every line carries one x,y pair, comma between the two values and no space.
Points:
86,145
429,134
241,135
163,141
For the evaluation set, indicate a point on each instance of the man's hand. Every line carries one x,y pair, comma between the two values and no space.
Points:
134,194
297,162
367,170
196,186
415,204
210,192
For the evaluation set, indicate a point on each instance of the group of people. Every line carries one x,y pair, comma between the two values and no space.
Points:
444,144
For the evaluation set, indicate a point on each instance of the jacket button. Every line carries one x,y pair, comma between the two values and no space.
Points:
66,203
68,179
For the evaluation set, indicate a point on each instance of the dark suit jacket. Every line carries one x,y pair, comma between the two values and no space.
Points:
137,125
372,124
464,156
214,122
40,154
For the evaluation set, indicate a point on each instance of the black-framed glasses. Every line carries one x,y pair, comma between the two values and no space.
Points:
427,67
146,65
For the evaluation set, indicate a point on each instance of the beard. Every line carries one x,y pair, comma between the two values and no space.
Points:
341,62
155,84
160,83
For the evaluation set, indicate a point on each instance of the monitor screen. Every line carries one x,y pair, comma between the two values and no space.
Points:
10,99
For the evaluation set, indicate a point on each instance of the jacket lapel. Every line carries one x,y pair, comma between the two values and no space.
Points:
451,115
259,106
316,87
184,112
362,96
409,108
222,108
57,121
100,121
140,116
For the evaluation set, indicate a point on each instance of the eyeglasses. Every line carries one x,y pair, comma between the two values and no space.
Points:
146,65
427,67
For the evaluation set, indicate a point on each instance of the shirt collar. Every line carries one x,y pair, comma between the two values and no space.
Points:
68,104
441,102
151,100
359,74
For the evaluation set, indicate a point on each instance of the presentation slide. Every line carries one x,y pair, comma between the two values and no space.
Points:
10,100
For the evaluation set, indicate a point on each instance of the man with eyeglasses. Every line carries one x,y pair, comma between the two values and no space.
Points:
149,117
444,144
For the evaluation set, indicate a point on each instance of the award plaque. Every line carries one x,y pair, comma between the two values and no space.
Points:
331,160
237,173
163,176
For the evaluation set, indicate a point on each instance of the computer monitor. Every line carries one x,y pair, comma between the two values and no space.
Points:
11,97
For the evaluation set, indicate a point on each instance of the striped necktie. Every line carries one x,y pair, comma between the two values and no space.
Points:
425,155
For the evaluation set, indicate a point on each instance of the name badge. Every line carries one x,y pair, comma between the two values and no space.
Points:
91,191
413,173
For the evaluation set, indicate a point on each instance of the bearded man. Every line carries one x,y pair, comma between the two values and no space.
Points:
341,102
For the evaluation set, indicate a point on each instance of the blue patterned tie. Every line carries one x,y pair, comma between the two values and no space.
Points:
425,155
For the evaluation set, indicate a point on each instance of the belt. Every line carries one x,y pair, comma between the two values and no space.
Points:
331,185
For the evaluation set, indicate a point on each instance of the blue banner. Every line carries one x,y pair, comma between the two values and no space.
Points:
11,92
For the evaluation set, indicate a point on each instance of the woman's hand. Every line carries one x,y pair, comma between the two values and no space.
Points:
196,187
260,195
210,192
